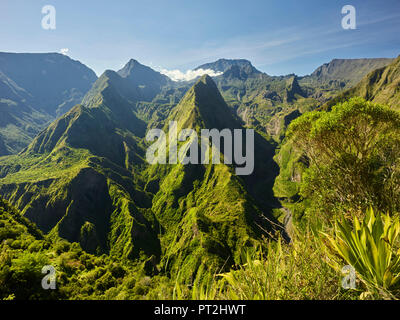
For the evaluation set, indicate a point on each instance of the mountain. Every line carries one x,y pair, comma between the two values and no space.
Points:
81,167
293,89
19,122
217,211
260,100
85,179
147,81
223,65
24,250
380,86
203,106
266,102
345,72
54,81
34,89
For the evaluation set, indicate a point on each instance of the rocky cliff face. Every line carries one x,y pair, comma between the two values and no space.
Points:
380,86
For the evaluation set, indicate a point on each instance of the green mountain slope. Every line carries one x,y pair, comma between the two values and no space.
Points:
19,122
266,102
260,100
25,250
215,209
85,179
77,178
54,81
380,86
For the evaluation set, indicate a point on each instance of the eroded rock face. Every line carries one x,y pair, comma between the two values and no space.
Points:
89,202
68,206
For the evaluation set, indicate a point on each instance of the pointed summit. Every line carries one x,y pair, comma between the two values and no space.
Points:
205,84
148,81
138,72
131,67
203,107
134,82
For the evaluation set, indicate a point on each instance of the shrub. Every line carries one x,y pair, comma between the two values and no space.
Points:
354,153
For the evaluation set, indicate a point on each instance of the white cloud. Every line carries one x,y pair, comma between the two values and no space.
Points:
177,75
64,51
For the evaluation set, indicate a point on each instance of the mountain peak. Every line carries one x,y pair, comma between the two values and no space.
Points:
293,89
203,107
205,80
206,86
222,65
131,67
133,61
139,73
134,81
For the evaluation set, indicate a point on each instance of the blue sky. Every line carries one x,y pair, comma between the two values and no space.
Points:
278,36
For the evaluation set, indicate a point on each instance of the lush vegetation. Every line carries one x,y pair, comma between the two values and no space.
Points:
353,153
372,248
115,227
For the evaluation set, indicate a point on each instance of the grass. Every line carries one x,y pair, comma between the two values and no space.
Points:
276,271
310,267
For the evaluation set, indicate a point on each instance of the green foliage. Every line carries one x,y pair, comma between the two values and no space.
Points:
276,270
188,232
354,153
24,251
372,247
287,182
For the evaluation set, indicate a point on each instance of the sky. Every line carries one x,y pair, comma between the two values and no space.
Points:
278,36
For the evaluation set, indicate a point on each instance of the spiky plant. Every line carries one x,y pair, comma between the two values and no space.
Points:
371,246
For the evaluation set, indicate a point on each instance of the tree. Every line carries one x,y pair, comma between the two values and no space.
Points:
353,152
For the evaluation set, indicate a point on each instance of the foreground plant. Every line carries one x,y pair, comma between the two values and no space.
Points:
277,271
352,153
371,247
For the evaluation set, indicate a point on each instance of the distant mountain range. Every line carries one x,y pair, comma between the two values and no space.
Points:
34,90
37,88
